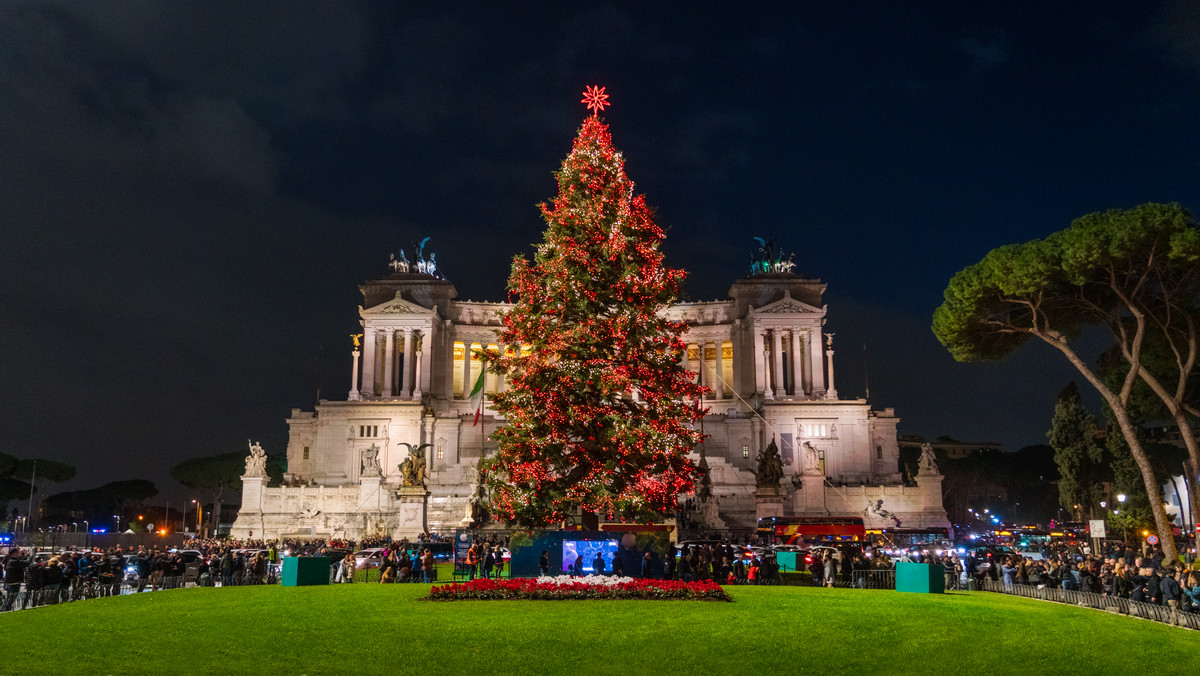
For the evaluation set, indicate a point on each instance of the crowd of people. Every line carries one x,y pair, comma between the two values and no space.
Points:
398,560
484,558
732,564
1119,571
29,578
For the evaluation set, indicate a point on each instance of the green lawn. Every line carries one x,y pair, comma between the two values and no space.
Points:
372,628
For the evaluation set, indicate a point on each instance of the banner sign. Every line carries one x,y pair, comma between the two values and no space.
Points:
462,543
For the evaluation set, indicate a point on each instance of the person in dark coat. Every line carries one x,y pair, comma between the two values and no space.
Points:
1171,591
14,573
489,562
1153,588
145,567
34,581
685,569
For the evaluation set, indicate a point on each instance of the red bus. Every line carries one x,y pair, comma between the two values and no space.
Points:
798,530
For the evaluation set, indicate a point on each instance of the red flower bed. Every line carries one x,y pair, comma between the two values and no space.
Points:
530,589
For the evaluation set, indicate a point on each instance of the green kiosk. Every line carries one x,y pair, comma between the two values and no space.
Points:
920,578
302,571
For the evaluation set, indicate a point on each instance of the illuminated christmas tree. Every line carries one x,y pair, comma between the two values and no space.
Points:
600,411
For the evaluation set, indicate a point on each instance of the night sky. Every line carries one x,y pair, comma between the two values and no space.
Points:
191,192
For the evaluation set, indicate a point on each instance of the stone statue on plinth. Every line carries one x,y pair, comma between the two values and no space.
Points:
412,470
370,461
770,466
812,459
256,462
928,462
704,484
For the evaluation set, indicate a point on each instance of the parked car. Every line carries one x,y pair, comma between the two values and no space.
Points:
442,551
368,558
1032,553
188,555
818,552
985,555
334,554
131,567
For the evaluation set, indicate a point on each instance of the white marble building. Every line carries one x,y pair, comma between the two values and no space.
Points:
761,351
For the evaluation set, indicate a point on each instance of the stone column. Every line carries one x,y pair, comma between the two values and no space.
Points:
448,333
354,395
815,359
368,370
831,393
805,366
796,359
720,384
696,367
777,361
389,363
467,360
406,377
417,375
760,377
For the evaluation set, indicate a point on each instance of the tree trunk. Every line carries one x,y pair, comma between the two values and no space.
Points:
1174,404
1165,536
215,515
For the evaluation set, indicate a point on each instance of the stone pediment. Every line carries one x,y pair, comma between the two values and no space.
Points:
788,305
397,306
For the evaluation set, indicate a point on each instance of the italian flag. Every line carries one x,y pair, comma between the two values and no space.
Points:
477,396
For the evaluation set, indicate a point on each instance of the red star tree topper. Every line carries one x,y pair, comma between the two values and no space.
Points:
588,310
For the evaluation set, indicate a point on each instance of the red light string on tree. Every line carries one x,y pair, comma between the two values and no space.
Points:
589,306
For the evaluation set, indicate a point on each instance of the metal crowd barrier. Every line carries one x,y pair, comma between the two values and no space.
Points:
1112,604
90,589
883,578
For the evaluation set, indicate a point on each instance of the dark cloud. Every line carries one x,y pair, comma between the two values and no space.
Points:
71,98
192,191
988,52
1178,29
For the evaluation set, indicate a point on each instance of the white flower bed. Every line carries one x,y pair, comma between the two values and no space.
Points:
598,580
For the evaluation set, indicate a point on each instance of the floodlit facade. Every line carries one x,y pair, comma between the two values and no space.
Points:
762,351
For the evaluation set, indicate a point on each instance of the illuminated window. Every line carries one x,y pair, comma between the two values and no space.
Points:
816,430
306,452
745,451
441,452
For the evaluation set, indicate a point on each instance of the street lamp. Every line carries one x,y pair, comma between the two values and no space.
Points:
1121,498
